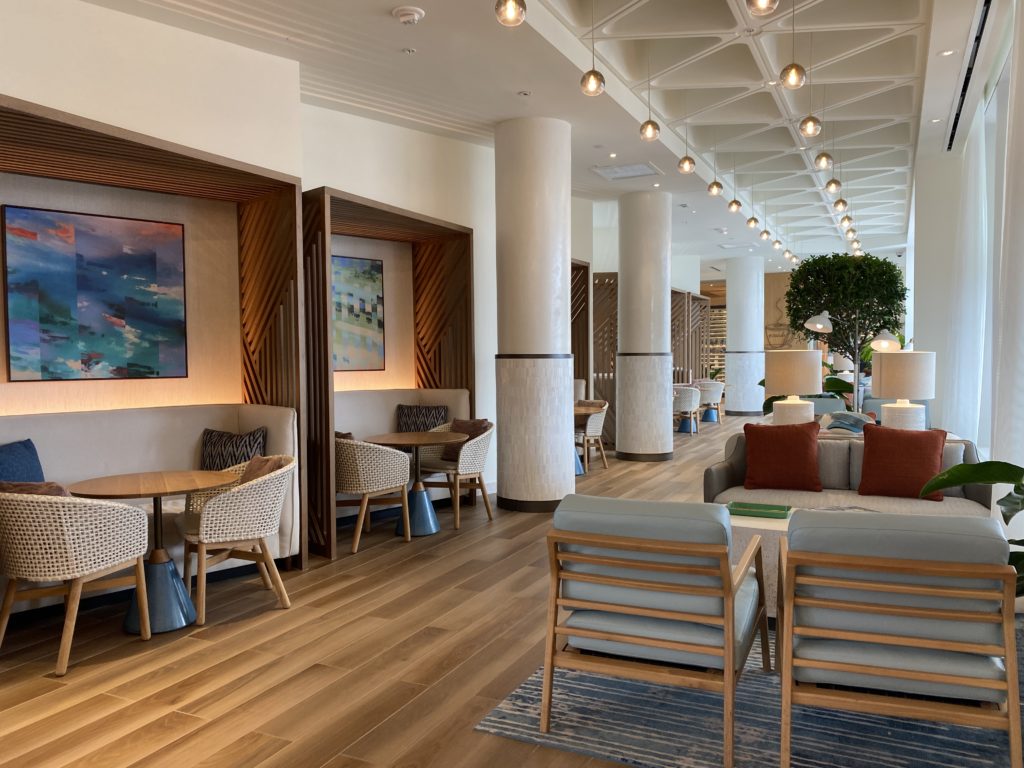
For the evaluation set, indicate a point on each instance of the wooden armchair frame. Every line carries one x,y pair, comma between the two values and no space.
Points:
558,654
1005,718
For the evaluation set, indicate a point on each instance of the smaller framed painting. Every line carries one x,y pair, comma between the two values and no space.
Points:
93,297
357,299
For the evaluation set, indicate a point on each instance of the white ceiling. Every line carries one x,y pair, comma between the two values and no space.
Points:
711,63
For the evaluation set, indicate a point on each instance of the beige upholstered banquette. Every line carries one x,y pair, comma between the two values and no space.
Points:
365,412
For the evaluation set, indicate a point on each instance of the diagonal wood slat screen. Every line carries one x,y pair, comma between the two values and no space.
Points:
443,313
579,320
689,336
606,344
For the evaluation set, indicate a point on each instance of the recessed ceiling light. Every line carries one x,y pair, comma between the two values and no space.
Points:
936,119
656,184
612,155
524,94
773,82
948,52
409,51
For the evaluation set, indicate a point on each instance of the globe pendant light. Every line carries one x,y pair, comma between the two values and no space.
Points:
810,127
715,187
846,222
510,13
833,185
858,252
793,76
788,254
686,164
752,222
840,205
776,244
592,82
762,7
851,234
649,130
855,245
765,235
823,161
735,205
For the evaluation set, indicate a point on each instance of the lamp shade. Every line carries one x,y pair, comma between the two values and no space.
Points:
903,375
819,323
842,363
792,372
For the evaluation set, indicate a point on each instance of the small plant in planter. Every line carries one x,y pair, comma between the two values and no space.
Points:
990,473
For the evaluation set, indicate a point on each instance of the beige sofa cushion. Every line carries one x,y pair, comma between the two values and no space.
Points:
827,499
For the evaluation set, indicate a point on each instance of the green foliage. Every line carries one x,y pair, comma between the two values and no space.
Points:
715,373
864,288
987,472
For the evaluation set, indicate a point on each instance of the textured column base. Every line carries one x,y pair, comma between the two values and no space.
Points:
534,432
743,395
643,407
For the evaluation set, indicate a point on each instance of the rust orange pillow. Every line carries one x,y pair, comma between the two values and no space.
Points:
898,462
783,456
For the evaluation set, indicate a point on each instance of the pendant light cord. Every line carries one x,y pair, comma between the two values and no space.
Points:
593,54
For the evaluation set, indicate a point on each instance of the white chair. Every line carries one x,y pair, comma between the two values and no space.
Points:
235,523
466,473
371,470
79,542
588,434
686,404
711,397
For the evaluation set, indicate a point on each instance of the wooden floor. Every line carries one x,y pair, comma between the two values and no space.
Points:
386,658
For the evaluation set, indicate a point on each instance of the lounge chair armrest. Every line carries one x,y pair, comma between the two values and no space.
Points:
751,557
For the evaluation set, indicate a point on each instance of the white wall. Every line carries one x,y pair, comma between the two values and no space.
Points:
211,302
154,79
432,175
399,339
606,236
685,271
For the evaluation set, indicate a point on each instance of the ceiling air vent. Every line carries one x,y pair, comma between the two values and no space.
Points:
985,6
623,172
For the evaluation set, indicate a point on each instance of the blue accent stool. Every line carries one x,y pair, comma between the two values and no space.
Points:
422,518
169,605
686,426
579,464
709,415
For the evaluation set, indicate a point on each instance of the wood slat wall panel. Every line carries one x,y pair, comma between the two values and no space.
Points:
606,344
579,314
689,337
320,379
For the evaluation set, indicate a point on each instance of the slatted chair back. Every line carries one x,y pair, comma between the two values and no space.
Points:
888,605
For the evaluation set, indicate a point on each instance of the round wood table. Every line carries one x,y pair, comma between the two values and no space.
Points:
583,410
170,607
422,518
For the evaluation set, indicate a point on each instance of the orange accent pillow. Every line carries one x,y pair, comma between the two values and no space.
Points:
898,462
39,489
258,466
783,456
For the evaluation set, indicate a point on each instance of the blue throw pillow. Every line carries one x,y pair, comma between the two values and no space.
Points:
19,463
848,420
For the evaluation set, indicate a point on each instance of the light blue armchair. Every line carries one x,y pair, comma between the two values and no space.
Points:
885,609
647,590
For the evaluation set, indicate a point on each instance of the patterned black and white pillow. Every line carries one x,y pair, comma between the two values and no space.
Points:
225,449
420,418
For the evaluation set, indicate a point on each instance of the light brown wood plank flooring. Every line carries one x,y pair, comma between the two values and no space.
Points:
386,658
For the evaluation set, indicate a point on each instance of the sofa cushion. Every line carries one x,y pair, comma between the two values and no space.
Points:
420,418
471,427
19,463
784,456
847,499
850,421
36,489
834,463
745,611
898,462
226,449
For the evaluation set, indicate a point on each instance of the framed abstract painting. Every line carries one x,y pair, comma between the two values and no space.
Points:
357,298
93,297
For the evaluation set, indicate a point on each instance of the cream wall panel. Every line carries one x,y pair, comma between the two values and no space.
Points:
399,331
211,302
154,79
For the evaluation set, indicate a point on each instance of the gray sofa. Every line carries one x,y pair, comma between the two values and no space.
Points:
839,465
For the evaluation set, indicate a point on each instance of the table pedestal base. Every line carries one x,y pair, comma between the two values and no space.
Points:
422,518
709,415
687,425
579,464
169,605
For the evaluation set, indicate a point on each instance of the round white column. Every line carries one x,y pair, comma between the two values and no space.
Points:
744,335
533,180
643,365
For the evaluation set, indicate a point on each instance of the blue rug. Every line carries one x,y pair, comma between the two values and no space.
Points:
659,726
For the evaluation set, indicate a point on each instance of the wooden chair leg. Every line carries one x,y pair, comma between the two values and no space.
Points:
275,576
405,513
586,455
264,576
142,598
456,501
487,499
729,711
363,504
368,522
200,584
186,567
5,611
600,447
70,616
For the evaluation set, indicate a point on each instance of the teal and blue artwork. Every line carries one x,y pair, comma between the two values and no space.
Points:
357,298
93,297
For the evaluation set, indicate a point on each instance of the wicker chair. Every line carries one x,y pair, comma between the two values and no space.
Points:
371,470
588,434
79,542
465,474
711,397
686,404
235,523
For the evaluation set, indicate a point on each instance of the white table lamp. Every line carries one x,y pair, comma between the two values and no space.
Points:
792,372
904,376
